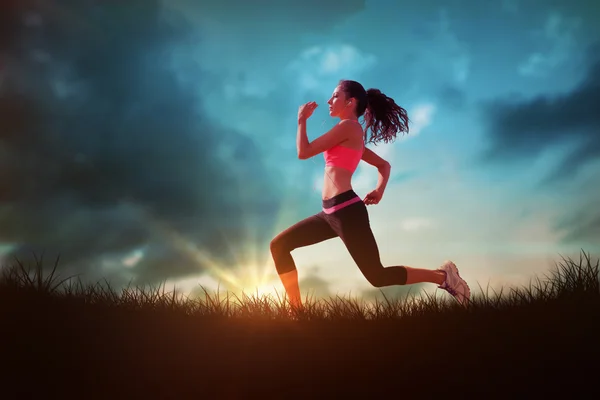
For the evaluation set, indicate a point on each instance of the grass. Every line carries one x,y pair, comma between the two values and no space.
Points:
61,335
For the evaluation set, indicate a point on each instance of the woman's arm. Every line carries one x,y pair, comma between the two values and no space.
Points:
301,138
334,136
382,166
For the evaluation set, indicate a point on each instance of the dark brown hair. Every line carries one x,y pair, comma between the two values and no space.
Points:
383,116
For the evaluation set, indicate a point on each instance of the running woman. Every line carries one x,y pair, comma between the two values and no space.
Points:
344,213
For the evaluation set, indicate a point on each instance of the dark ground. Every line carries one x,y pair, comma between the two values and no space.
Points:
64,350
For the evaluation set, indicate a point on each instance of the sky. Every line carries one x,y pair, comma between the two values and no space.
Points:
153,142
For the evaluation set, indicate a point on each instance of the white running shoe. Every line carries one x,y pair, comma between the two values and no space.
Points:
454,284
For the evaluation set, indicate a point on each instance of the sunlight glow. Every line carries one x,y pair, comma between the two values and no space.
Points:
252,273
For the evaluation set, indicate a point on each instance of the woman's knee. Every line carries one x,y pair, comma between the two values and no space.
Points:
281,252
382,276
279,245
376,279
275,245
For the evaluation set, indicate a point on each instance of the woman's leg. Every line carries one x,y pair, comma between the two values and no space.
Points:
309,231
353,227
417,275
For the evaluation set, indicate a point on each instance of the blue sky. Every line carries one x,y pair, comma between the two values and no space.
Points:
189,168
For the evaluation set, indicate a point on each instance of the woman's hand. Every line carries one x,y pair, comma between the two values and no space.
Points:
373,197
306,110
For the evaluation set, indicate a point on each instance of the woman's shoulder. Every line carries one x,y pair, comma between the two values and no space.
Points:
351,126
349,122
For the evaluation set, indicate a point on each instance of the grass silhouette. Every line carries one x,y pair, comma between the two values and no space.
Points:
65,338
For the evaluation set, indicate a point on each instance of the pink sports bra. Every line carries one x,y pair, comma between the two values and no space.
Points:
341,156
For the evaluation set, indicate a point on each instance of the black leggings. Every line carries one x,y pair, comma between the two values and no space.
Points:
351,224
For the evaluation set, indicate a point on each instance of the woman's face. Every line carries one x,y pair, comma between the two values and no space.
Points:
338,102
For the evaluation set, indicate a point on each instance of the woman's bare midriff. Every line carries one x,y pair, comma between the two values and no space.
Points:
336,180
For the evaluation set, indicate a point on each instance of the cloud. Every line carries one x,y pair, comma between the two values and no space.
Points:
249,34
265,16
245,55
421,117
581,225
522,129
566,126
441,50
557,40
319,68
106,155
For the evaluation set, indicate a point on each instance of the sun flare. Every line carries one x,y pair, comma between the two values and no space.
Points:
251,272
253,280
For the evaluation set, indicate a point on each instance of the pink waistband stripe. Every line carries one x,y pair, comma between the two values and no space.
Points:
335,208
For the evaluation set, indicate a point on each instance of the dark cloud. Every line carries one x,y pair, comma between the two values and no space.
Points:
522,129
101,144
583,226
310,15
